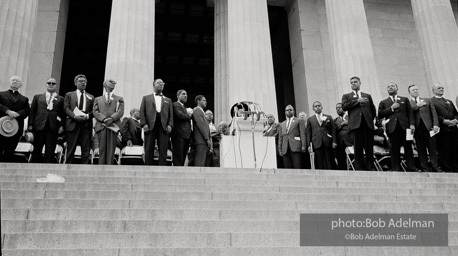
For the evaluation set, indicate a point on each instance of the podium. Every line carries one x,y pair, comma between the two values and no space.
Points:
248,148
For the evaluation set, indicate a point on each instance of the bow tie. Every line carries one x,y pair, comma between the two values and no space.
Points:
158,94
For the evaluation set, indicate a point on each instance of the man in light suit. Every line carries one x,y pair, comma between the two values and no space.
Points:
181,133
156,119
321,138
16,106
108,110
78,106
46,121
426,120
447,138
201,133
399,116
361,114
131,130
271,130
291,139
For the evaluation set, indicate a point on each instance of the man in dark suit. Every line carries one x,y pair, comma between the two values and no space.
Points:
78,106
46,121
181,133
201,133
131,130
156,119
361,114
447,138
344,137
271,129
108,110
398,117
16,106
291,139
321,138
426,120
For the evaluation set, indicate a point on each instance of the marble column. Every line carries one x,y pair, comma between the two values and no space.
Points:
130,54
243,56
351,47
17,25
436,25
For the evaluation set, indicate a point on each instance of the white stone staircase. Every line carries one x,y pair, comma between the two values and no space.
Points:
138,210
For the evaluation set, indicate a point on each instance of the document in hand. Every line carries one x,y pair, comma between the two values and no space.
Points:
78,112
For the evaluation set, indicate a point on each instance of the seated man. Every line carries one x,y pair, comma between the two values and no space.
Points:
130,129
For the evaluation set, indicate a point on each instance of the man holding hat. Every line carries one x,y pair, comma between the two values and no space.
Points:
14,108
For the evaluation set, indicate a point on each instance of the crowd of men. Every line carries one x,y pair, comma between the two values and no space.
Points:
431,122
194,139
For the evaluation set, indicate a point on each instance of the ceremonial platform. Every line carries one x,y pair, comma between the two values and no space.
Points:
139,210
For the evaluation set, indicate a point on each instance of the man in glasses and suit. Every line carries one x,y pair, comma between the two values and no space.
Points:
46,121
78,106
292,139
156,119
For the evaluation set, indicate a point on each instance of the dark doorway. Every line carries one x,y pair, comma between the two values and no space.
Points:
184,50
86,44
281,54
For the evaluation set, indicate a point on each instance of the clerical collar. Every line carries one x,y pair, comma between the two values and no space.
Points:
439,97
13,91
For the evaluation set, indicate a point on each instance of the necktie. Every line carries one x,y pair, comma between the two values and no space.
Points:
108,98
357,95
288,124
80,106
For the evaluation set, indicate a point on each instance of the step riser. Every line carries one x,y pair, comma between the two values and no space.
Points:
242,182
167,240
132,226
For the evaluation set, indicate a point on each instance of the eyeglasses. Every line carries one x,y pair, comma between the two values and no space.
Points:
289,110
51,83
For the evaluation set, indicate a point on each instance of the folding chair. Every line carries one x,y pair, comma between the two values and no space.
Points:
133,154
58,153
77,154
24,149
350,155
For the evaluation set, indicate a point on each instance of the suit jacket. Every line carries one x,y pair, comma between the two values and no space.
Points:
201,132
403,114
356,111
273,132
182,121
324,134
295,137
20,104
427,113
131,130
103,109
342,132
445,109
39,113
71,101
148,112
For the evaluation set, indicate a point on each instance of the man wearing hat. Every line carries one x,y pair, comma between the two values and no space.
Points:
14,108
46,121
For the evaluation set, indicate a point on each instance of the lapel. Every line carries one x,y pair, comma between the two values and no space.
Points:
75,98
42,98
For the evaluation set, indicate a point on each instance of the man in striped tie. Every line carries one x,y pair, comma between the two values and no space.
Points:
291,139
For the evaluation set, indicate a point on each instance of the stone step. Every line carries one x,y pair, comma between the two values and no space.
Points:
242,182
159,226
190,169
249,174
220,188
160,213
219,196
245,251
158,240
